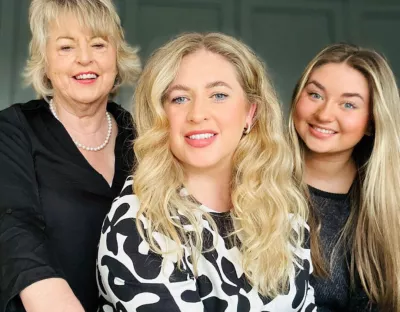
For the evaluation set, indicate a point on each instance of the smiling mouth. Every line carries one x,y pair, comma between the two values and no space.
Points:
86,77
323,130
201,136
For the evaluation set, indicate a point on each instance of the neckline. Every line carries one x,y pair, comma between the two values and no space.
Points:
61,134
325,194
184,192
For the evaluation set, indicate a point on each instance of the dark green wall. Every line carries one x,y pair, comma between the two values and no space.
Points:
286,33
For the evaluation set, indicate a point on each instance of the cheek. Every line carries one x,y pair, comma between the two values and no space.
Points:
176,122
356,125
301,113
57,67
109,61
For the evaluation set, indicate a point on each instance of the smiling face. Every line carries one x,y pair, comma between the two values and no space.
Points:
207,110
82,68
332,113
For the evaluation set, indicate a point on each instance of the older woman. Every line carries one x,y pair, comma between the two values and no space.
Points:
63,158
213,221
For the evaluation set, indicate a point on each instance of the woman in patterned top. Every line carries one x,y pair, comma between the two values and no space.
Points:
213,220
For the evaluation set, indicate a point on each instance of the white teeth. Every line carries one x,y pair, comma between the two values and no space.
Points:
324,130
86,76
201,136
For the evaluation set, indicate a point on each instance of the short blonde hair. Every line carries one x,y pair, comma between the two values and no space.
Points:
100,16
263,192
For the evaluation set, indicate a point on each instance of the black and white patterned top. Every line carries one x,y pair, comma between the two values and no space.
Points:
132,278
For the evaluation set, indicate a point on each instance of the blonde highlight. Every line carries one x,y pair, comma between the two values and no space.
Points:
99,16
370,232
263,193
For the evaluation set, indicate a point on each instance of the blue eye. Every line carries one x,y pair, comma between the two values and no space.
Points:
315,95
179,100
349,106
220,96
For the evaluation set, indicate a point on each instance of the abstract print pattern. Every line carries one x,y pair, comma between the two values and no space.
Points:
132,278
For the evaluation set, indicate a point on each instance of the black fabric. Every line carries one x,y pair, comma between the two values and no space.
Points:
134,278
52,202
334,293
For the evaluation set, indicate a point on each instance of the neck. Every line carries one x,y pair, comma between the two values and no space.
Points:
211,187
81,118
330,173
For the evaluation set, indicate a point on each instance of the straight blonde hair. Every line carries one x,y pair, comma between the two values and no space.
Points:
265,198
371,232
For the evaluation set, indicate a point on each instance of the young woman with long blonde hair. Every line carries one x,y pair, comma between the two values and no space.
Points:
345,133
211,220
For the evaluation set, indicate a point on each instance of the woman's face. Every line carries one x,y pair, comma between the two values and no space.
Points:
207,110
82,68
333,111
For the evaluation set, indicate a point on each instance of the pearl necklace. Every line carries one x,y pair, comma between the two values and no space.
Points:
82,146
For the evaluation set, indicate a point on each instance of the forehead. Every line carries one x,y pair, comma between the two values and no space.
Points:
340,78
69,23
204,66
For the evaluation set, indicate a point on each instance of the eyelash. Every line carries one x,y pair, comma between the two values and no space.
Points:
352,105
312,94
176,99
99,45
217,94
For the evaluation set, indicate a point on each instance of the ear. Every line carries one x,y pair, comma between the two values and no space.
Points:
250,115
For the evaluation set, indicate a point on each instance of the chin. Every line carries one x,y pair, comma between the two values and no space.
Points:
202,163
87,99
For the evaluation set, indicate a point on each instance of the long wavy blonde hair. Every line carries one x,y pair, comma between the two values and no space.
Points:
371,234
263,192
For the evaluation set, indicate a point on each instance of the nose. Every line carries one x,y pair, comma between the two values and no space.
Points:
325,112
84,55
198,111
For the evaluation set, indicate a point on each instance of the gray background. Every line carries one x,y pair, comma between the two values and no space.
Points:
285,33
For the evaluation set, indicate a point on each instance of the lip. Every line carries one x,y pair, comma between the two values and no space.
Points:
321,135
85,81
199,132
85,73
201,142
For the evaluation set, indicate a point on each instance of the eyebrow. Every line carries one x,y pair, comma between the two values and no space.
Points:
178,87
70,38
316,83
217,84
353,95
346,94
210,85
64,37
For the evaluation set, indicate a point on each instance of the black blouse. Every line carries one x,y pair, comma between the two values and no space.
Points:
52,202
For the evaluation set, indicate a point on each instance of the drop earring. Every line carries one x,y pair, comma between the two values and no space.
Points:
246,130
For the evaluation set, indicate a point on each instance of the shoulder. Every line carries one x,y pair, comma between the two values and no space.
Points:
15,120
121,115
21,112
124,207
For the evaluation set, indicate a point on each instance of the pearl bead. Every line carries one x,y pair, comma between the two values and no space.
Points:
82,146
